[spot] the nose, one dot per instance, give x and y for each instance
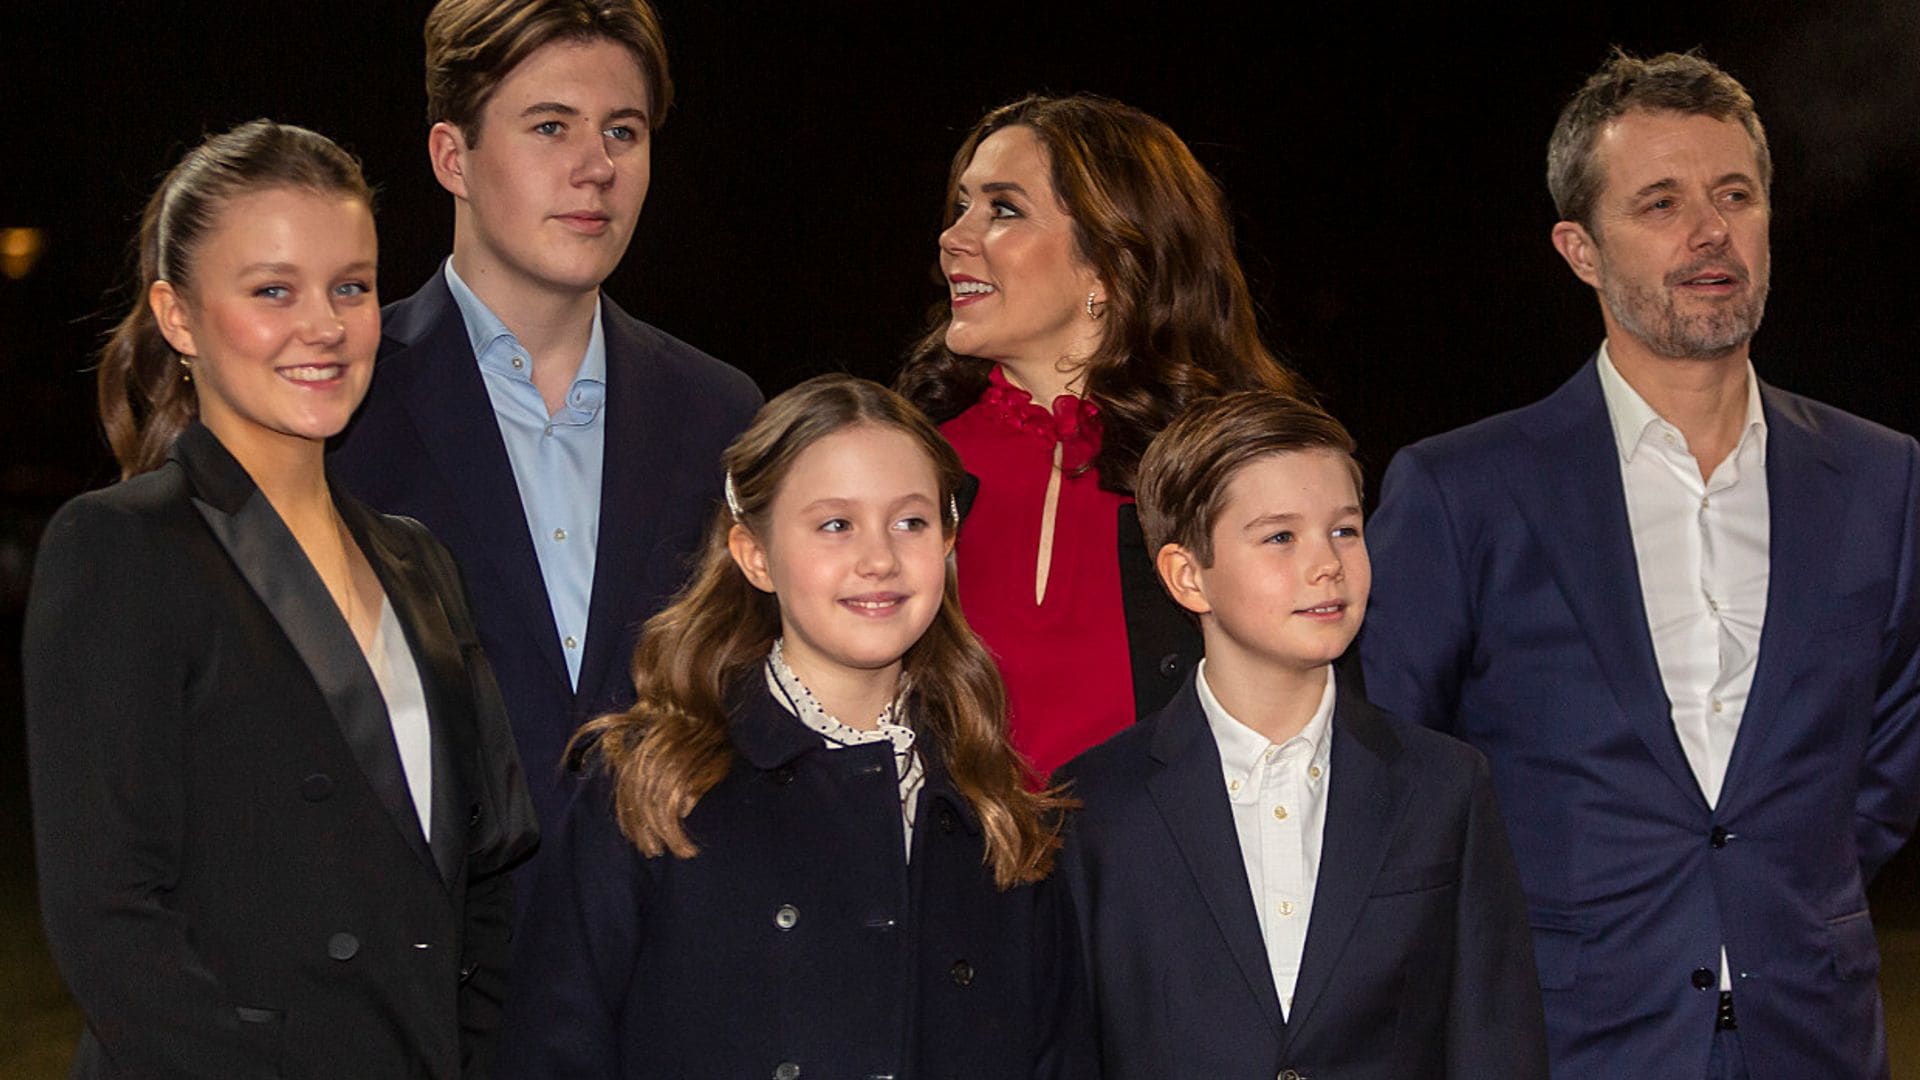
(1326, 564)
(1709, 225)
(963, 236)
(877, 558)
(324, 327)
(596, 164)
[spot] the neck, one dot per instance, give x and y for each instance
(854, 696)
(553, 325)
(1048, 380)
(1705, 398)
(1274, 701)
(290, 471)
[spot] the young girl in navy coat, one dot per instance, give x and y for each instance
(808, 851)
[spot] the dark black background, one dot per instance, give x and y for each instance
(1384, 165)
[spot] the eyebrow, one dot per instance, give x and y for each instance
(836, 501)
(1668, 183)
(561, 108)
(1265, 521)
(289, 268)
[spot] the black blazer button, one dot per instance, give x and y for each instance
(316, 787)
(948, 822)
(786, 1070)
(784, 775)
(343, 946)
(1719, 836)
(473, 815)
(1170, 665)
(1703, 979)
(787, 917)
(962, 973)
(1291, 1074)
(466, 973)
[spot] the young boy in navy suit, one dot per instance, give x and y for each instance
(1272, 877)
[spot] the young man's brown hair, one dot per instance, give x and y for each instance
(1184, 475)
(473, 44)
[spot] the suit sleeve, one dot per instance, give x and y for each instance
(1495, 1025)
(1068, 1048)
(1889, 795)
(507, 833)
(1418, 636)
(108, 673)
(576, 949)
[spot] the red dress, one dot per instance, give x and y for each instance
(1065, 660)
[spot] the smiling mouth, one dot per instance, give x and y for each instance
(313, 373)
(1326, 610)
(874, 605)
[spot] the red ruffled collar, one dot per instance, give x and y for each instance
(1073, 422)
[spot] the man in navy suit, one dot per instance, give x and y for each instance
(1270, 876)
(568, 453)
(1676, 607)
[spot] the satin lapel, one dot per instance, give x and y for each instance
(1364, 799)
(1573, 501)
(1190, 792)
(442, 677)
(453, 416)
(628, 527)
(278, 571)
(1806, 496)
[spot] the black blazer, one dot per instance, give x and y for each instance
(426, 445)
(233, 876)
(1417, 960)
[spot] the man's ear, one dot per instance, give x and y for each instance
(1582, 252)
(447, 153)
(1180, 573)
(170, 311)
(750, 557)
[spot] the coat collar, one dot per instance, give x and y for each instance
(277, 570)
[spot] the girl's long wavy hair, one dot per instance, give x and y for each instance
(144, 397)
(672, 746)
(1179, 323)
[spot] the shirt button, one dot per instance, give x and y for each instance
(1705, 501)
(1313, 771)
(559, 534)
(569, 642)
(549, 429)
(1286, 908)
(1280, 813)
(519, 362)
(787, 917)
(1717, 705)
(1233, 785)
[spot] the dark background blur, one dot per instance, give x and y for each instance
(1384, 165)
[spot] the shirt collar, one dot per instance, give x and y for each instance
(793, 695)
(1634, 421)
(1243, 750)
(493, 344)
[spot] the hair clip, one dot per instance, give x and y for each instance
(733, 501)
(953, 509)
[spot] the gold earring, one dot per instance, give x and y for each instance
(186, 370)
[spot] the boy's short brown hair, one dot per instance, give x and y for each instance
(473, 44)
(1184, 475)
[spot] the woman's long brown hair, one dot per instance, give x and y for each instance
(1179, 323)
(672, 746)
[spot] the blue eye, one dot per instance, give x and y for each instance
(1350, 531)
(835, 525)
(272, 292)
(621, 133)
(1284, 536)
(352, 288)
(549, 127)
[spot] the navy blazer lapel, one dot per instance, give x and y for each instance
(443, 677)
(1191, 793)
(1807, 494)
(628, 526)
(1575, 504)
(445, 396)
(272, 563)
(1364, 800)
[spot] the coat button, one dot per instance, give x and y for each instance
(948, 822)
(473, 815)
(466, 973)
(316, 787)
(786, 917)
(786, 1070)
(783, 775)
(1170, 665)
(962, 973)
(1719, 836)
(343, 946)
(1291, 1074)
(1703, 978)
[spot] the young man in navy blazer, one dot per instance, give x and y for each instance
(1680, 611)
(566, 452)
(1272, 877)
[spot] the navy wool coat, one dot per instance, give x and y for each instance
(797, 943)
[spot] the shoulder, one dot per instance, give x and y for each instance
(125, 516)
(631, 341)
(1446, 768)
(1853, 436)
(1115, 768)
(1489, 446)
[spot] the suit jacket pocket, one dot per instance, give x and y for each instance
(1856, 955)
(1418, 878)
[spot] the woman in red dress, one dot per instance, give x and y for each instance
(1093, 293)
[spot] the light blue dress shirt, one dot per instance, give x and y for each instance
(556, 459)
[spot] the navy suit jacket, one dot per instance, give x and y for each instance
(426, 445)
(1507, 610)
(1417, 960)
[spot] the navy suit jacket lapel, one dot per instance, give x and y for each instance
(1190, 792)
(443, 678)
(1807, 494)
(272, 563)
(1364, 800)
(1574, 503)
(447, 399)
(628, 526)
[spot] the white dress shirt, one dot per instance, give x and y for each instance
(1702, 549)
(1279, 799)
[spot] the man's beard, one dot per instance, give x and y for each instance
(1653, 315)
